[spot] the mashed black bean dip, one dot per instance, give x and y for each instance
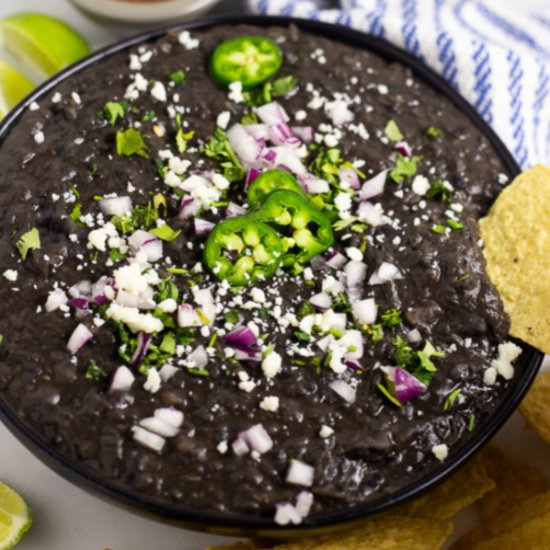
(326, 385)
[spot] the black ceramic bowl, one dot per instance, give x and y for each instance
(242, 524)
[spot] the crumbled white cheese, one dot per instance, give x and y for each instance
(10, 275)
(153, 382)
(223, 119)
(158, 91)
(135, 320)
(420, 185)
(220, 181)
(76, 98)
(168, 306)
(187, 41)
(39, 137)
(326, 431)
(271, 364)
(343, 202)
(490, 376)
(507, 353)
(258, 295)
(98, 237)
(222, 447)
(270, 403)
(34, 106)
(440, 451)
(300, 115)
(57, 97)
(353, 253)
(236, 92)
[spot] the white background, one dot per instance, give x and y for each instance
(66, 517)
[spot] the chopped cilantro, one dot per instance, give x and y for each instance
(307, 309)
(165, 232)
(114, 110)
(471, 422)
(440, 190)
(418, 363)
(269, 90)
(454, 225)
(148, 117)
(160, 205)
(94, 371)
(141, 217)
(177, 77)
(438, 228)
(326, 163)
(182, 138)
(391, 318)
(403, 354)
(130, 142)
(451, 399)
(392, 131)
(76, 214)
(232, 316)
(93, 169)
(433, 131)
(463, 277)
(1, 339)
(212, 340)
(302, 336)
(177, 270)
(185, 336)
(374, 332)
(198, 372)
(28, 241)
(219, 148)
(404, 167)
(340, 303)
(75, 191)
(168, 344)
(249, 118)
(388, 395)
(167, 290)
(116, 255)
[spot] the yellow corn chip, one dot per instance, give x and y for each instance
(516, 233)
(458, 491)
(515, 482)
(535, 408)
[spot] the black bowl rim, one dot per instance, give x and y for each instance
(233, 523)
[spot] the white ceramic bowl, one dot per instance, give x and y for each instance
(144, 13)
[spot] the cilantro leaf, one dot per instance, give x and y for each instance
(219, 148)
(404, 167)
(269, 90)
(440, 189)
(165, 232)
(182, 138)
(388, 395)
(454, 225)
(438, 228)
(391, 318)
(28, 241)
(177, 77)
(168, 344)
(232, 316)
(130, 142)
(451, 399)
(167, 289)
(114, 110)
(94, 371)
(392, 131)
(434, 132)
(1, 339)
(249, 118)
(307, 309)
(76, 214)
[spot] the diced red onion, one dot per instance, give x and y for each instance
(56, 299)
(305, 133)
(116, 206)
(189, 207)
(153, 250)
(321, 301)
(353, 365)
(79, 303)
(336, 260)
(139, 238)
(325, 342)
(143, 342)
(414, 336)
(353, 341)
(304, 501)
(279, 133)
(288, 157)
(251, 175)
(349, 176)
(234, 210)
(365, 310)
(241, 337)
(293, 142)
(100, 300)
(272, 113)
(314, 185)
(355, 273)
(385, 273)
(240, 446)
(149, 244)
(403, 148)
(254, 355)
(102, 287)
(167, 371)
(148, 439)
(203, 227)
(373, 187)
(368, 212)
(257, 438)
(403, 384)
(205, 299)
(187, 316)
(287, 513)
(122, 380)
(344, 390)
(159, 427)
(300, 473)
(258, 131)
(244, 145)
(79, 337)
(269, 155)
(82, 288)
(169, 415)
(198, 357)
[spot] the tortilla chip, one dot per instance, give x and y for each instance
(388, 532)
(519, 515)
(458, 491)
(515, 482)
(535, 408)
(244, 545)
(516, 233)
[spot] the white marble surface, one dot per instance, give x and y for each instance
(68, 518)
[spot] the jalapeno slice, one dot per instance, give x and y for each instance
(243, 251)
(269, 181)
(306, 230)
(250, 60)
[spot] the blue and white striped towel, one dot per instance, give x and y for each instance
(495, 54)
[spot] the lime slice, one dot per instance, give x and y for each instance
(13, 87)
(15, 517)
(42, 44)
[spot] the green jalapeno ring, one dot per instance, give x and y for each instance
(243, 251)
(269, 181)
(250, 60)
(305, 229)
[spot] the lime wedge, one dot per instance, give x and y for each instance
(13, 87)
(15, 517)
(41, 44)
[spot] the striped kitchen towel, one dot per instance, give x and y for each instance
(494, 52)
